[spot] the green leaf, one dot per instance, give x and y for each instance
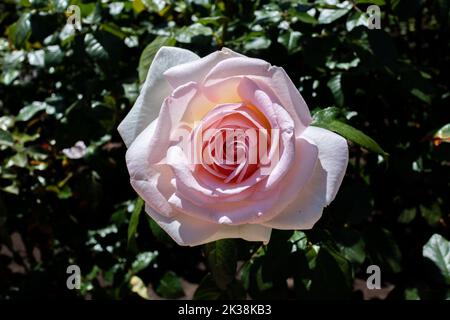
(170, 286)
(221, 256)
(335, 86)
(9, 76)
(149, 53)
(332, 64)
(431, 214)
(332, 276)
(356, 19)
(377, 2)
(412, 294)
(421, 95)
(290, 41)
(134, 220)
(207, 289)
(155, 5)
(257, 43)
(382, 249)
(36, 58)
(330, 15)
(159, 233)
(143, 260)
(326, 119)
(6, 138)
(20, 31)
(94, 48)
(306, 18)
(437, 249)
(27, 112)
(53, 55)
(407, 215)
(216, 21)
(138, 6)
(113, 29)
(350, 244)
(188, 34)
(13, 188)
(20, 160)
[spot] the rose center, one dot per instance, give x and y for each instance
(234, 139)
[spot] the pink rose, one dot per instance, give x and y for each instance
(222, 147)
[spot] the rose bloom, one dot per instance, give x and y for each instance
(282, 178)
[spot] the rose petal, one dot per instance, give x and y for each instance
(186, 230)
(153, 92)
(197, 70)
(333, 155)
(279, 119)
(222, 81)
(236, 213)
(306, 209)
(290, 97)
(194, 188)
(150, 147)
(144, 178)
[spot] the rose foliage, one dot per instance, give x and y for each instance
(65, 193)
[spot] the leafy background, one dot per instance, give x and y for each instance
(65, 196)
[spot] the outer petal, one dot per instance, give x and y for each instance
(144, 177)
(150, 147)
(186, 230)
(153, 92)
(197, 70)
(321, 188)
(306, 209)
(333, 155)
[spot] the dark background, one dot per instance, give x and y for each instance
(59, 87)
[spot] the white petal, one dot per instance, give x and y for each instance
(321, 188)
(333, 154)
(197, 70)
(154, 91)
(306, 209)
(150, 147)
(148, 181)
